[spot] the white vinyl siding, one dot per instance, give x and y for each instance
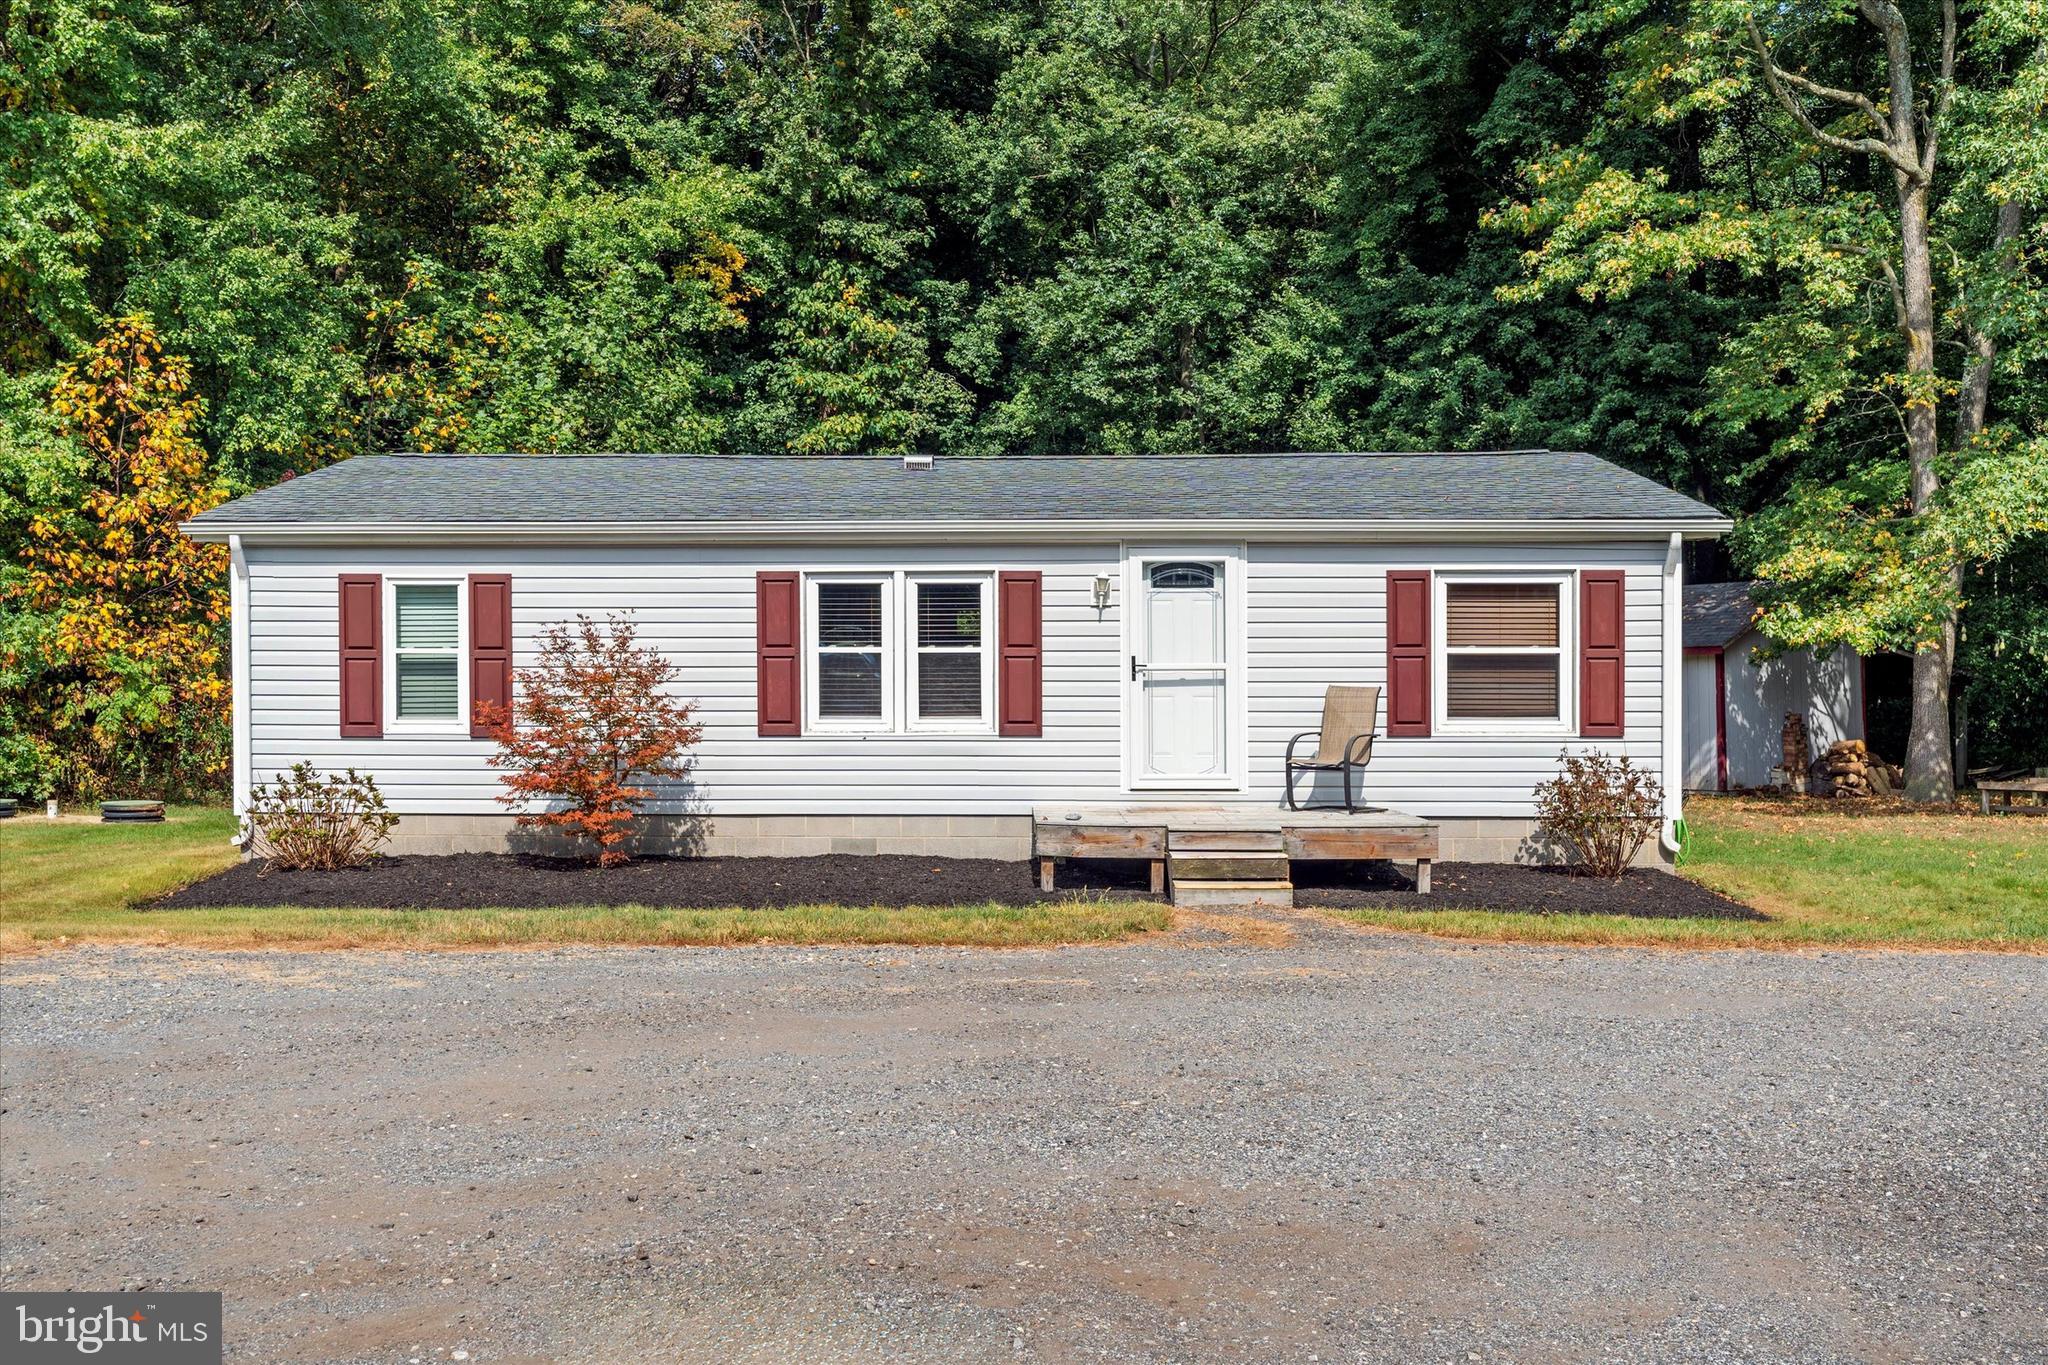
(697, 605)
(1315, 615)
(1318, 615)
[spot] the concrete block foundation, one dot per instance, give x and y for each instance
(1487, 839)
(736, 836)
(1509, 839)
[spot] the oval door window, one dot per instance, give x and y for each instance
(1183, 576)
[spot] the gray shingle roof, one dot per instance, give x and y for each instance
(1716, 614)
(711, 489)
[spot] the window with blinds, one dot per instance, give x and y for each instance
(849, 649)
(899, 652)
(949, 660)
(427, 638)
(1503, 651)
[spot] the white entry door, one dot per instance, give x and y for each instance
(1181, 674)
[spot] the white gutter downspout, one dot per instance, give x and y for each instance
(238, 671)
(1670, 743)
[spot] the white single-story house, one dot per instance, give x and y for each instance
(1735, 704)
(910, 655)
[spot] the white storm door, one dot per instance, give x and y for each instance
(1181, 673)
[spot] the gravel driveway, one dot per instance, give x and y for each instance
(1347, 1146)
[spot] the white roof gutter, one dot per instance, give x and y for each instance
(982, 531)
(1671, 737)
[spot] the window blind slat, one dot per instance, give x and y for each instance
(1492, 686)
(949, 614)
(427, 685)
(850, 614)
(426, 615)
(949, 686)
(850, 685)
(1498, 614)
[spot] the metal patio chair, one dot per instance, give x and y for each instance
(1343, 744)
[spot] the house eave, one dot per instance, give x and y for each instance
(934, 531)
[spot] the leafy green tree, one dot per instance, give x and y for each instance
(121, 652)
(1436, 114)
(1876, 169)
(1134, 225)
(1146, 191)
(839, 106)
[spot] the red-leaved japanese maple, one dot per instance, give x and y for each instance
(594, 717)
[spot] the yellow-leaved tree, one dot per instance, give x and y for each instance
(130, 687)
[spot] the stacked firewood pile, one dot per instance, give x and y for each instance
(1848, 768)
(1793, 745)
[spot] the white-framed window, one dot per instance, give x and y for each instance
(899, 651)
(851, 681)
(1504, 643)
(952, 669)
(426, 634)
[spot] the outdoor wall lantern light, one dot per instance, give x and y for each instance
(1102, 592)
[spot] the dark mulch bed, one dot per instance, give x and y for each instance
(1642, 894)
(469, 881)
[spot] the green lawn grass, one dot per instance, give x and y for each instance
(77, 880)
(56, 869)
(1827, 875)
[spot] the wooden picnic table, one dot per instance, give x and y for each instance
(2012, 789)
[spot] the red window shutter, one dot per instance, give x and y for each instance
(778, 644)
(362, 655)
(1020, 657)
(1602, 618)
(490, 646)
(1408, 616)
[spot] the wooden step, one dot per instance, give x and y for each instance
(1234, 895)
(1225, 841)
(1227, 867)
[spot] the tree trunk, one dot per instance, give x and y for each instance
(1930, 766)
(1973, 404)
(1930, 763)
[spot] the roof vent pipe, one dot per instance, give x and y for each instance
(917, 463)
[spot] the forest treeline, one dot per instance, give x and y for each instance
(977, 228)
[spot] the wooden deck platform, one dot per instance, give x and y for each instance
(1157, 831)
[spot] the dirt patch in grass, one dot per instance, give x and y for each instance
(475, 881)
(1642, 894)
(1206, 927)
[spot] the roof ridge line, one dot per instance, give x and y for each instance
(964, 459)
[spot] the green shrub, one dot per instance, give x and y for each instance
(306, 820)
(1601, 810)
(27, 768)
